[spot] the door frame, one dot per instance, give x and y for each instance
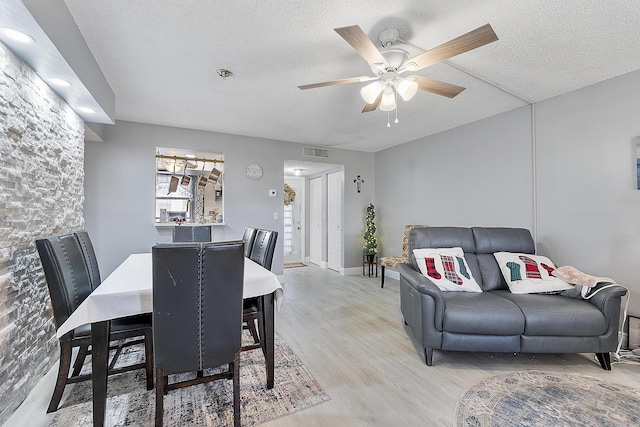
(337, 198)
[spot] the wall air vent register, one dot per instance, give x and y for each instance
(323, 153)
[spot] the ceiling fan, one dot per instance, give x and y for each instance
(389, 64)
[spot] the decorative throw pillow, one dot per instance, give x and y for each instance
(447, 268)
(529, 274)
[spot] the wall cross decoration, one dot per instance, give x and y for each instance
(358, 181)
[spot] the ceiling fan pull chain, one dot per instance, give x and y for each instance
(388, 124)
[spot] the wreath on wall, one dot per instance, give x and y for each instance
(289, 194)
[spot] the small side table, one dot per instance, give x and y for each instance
(369, 264)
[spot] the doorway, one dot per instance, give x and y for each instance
(314, 233)
(293, 238)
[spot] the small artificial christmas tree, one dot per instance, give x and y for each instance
(370, 243)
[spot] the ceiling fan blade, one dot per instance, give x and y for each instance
(372, 107)
(466, 42)
(338, 82)
(439, 88)
(362, 44)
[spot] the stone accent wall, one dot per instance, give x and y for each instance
(41, 194)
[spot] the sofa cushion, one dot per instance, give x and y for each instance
(499, 239)
(445, 237)
(527, 274)
(481, 314)
(494, 239)
(492, 278)
(440, 237)
(447, 268)
(555, 315)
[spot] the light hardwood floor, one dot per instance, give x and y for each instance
(351, 336)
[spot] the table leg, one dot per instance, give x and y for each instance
(99, 367)
(269, 325)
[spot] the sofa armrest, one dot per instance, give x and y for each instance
(421, 283)
(603, 296)
(424, 286)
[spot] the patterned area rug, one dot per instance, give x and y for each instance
(210, 404)
(537, 398)
(294, 265)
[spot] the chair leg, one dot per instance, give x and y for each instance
(160, 387)
(82, 355)
(63, 373)
(236, 390)
(261, 332)
(148, 357)
(251, 324)
(382, 274)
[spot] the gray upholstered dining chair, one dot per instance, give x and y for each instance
(197, 315)
(263, 247)
(248, 237)
(261, 253)
(192, 233)
(69, 283)
(93, 270)
(90, 257)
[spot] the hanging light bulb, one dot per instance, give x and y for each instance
(388, 102)
(370, 92)
(407, 88)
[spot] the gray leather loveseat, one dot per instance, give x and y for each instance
(497, 320)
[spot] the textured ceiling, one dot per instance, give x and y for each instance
(160, 58)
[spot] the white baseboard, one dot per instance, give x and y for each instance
(392, 274)
(323, 264)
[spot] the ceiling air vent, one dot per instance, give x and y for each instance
(316, 152)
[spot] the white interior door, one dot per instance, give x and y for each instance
(293, 241)
(334, 220)
(315, 221)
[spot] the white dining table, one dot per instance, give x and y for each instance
(128, 291)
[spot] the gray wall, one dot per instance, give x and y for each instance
(120, 182)
(588, 204)
(585, 210)
(479, 174)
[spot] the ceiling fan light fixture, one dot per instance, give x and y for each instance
(388, 101)
(370, 92)
(407, 88)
